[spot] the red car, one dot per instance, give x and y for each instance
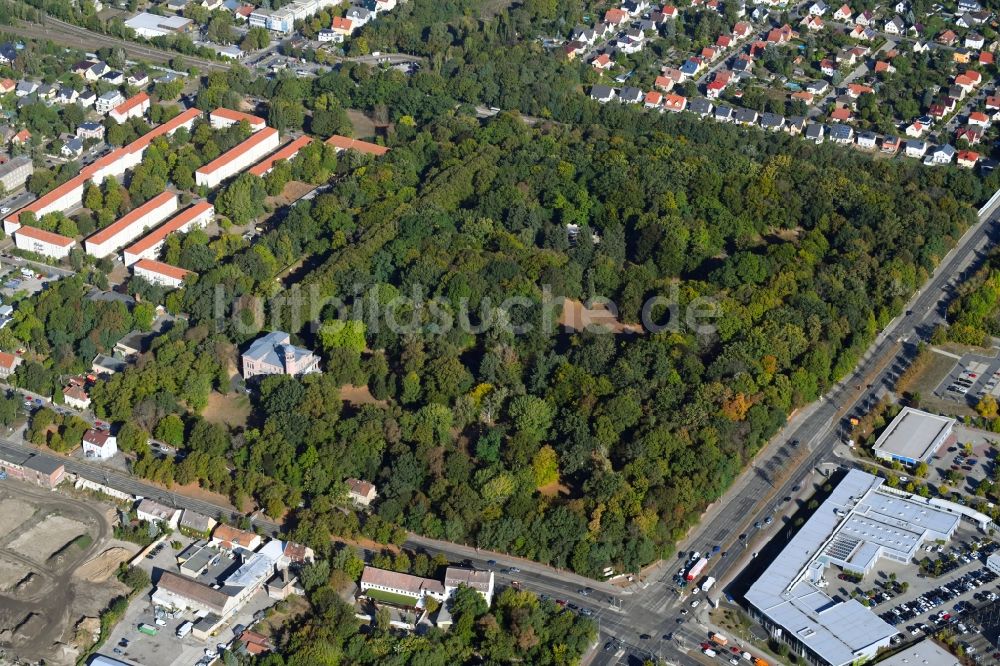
(706, 646)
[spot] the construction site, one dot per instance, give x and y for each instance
(57, 572)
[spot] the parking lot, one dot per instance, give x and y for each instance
(130, 644)
(972, 377)
(951, 598)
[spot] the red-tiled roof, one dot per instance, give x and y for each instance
(341, 23)
(345, 143)
(236, 116)
(130, 218)
(154, 266)
(228, 156)
(7, 360)
(131, 103)
(286, 153)
(169, 227)
(45, 236)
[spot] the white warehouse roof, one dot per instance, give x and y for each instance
(857, 524)
(913, 435)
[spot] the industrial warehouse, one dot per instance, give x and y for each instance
(861, 522)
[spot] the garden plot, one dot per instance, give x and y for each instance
(47, 537)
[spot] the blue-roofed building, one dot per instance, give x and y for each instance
(274, 354)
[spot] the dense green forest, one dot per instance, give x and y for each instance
(974, 316)
(581, 450)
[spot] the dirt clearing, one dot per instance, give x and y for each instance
(47, 537)
(13, 514)
(578, 317)
(232, 409)
(359, 395)
(11, 573)
(104, 565)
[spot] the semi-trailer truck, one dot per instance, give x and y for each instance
(696, 569)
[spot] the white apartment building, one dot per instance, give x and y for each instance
(43, 242)
(132, 225)
(195, 216)
(159, 273)
(238, 159)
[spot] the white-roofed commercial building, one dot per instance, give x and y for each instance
(131, 225)
(913, 436)
(238, 159)
(152, 25)
(923, 653)
(859, 523)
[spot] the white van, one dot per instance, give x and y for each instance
(184, 629)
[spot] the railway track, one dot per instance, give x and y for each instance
(51, 28)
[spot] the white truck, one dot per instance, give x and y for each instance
(184, 629)
(707, 585)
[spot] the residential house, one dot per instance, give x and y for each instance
(154, 512)
(724, 41)
(342, 26)
(842, 115)
(700, 107)
(965, 21)
(985, 58)
(113, 77)
(273, 354)
(803, 96)
(827, 67)
(361, 493)
(843, 14)
(25, 88)
(890, 145)
(841, 133)
(359, 16)
(87, 99)
(967, 159)
(615, 17)
(108, 101)
(653, 100)
(229, 538)
(920, 47)
(8, 363)
(812, 23)
(99, 444)
(818, 8)
(969, 134)
(584, 35)
(781, 35)
(138, 79)
(630, 95)
(866, 140)
(962, 56)
(674, 103)
(602, 93)
(865, 19)
(915, 148)
(795, 125)
(66, 95)
(742, 30)
(8, 53)
(197, 522)
(662, 83)
(947, 37)
(815, 132)
(90, 130)
(72, 148)
(480, 581)
(969, 6)
(943, 154)
(817, 87)
(974, 40)
(745, 116)
(714, 89)
(724, 114)
(7, 86)
(603, 62)
(76, 396)
(979, 118)
(772, 121)
(895, 26)
(884, 67)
